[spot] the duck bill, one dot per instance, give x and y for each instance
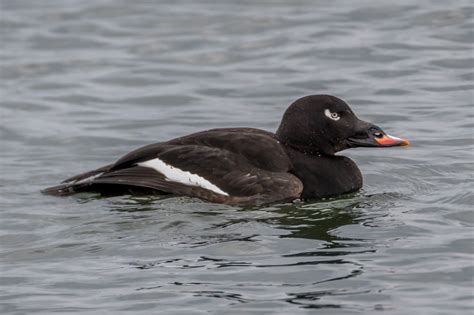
(391, 141)
(372, 136)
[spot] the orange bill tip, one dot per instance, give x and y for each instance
(388, 140)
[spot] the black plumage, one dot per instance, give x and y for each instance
(246, 165)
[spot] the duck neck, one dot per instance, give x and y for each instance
(309, 147)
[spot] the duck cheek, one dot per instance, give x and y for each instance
(339, 144)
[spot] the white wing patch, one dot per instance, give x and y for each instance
(174, 174)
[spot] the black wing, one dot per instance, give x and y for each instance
(241, 182)
(257, 146)
(230, 159)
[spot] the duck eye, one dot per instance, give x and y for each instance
(333, 116)
(378, 134)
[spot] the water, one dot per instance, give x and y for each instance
(84, 82)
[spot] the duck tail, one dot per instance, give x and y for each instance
(75, 184)
(61, 190)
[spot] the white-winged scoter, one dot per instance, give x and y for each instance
(246, 165)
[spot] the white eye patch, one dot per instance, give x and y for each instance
(333, 116)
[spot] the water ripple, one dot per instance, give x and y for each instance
(83, 83)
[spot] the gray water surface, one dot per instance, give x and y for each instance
(84, 82)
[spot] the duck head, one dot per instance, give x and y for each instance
(325, 124)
